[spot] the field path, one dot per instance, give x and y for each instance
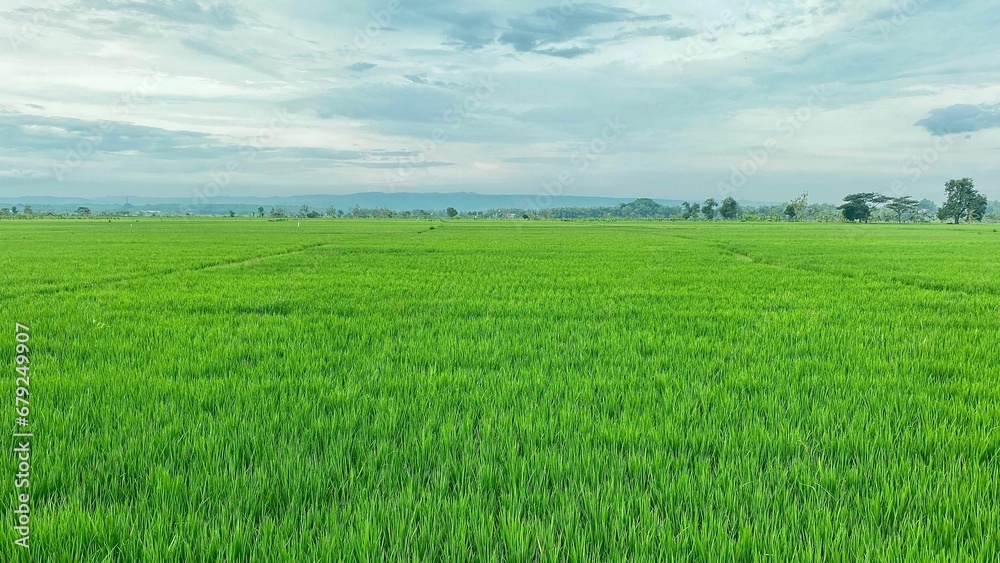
(258, 259)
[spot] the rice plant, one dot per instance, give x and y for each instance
(213, 390)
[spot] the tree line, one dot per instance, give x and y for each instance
(963, 203)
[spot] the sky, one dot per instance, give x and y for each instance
(760, 101)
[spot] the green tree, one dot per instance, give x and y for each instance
(84, 211)
(331, 211)
(643, 208)
(452, 212)
(232, 213)
(901, 206)
(860, 206)
(963, 201)
(708, 208)
(730, 209)
(28, 211)
(260, 210)
(691, 211)
(800, 204)
(790, 212)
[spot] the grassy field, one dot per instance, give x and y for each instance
(240, 390)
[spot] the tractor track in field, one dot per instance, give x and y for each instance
(750, 259)
(83, 286)
(258, 259)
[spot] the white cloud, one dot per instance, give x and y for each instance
(699, 83)
(25, 174)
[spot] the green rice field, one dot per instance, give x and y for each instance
(361, 390)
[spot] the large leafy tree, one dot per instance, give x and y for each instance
(901, 206)
(708, 208)
(790, 212)
(860, 206)
(800, 205)
(729, 209)
(963, 201)
(643, 208)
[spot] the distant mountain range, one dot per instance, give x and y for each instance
(463, 201)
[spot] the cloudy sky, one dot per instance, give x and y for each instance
(676, 100)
